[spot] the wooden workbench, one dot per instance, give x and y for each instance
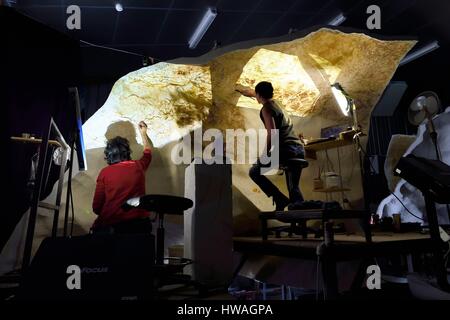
(344, 139)
(301, 217)
(344, 248)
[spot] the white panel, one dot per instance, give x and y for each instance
(208, 224)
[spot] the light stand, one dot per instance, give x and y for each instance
(346, 104)
(433, 133)
(348, 108)
(42, 169)
(426, 106)
(434, 136)
(69, 184)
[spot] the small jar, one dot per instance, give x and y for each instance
(332, 180)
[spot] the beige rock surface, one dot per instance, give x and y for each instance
(176, 98)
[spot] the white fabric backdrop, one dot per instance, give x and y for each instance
(409, 195)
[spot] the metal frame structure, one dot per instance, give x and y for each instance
(42, 167)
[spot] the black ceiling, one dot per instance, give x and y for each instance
(162, 28)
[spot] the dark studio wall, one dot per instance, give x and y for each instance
(37, 66)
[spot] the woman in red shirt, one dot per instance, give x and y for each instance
(121, 180)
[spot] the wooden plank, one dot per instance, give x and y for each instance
(34, 140)
(328, 145)
(331, 190)
(341, 250)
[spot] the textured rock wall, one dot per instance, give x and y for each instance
(176, 98)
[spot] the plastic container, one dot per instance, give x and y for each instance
(332, 180)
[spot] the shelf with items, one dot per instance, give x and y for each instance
(329, 181)
(35, 140)
(345, 139)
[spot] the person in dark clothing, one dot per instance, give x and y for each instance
(121, 180)
(274, 117)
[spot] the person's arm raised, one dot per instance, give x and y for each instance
(145, 139)
(147, 156)
(245, 91)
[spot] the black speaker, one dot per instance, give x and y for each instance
(108, 267)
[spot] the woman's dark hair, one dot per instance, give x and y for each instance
(264, 89)
(117, 150)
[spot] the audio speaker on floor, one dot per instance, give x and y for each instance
(92, 267)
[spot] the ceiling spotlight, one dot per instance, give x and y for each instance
(338, 20)
(119, 7)
(292, 30)
(341, 98)
(430, 47)
(345, 103)
(9, 3)
(207, 19)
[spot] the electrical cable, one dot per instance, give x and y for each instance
(317, 278)
(353, 169)
(73, 213)
(447, 255)
(406, 207)
(113, 49)
(329, 162)
(392, 193)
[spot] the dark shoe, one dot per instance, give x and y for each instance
(298, 205)
(281, 201)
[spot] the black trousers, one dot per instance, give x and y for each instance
(292, 173)
(133, 226)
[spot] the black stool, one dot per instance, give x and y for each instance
(171, 272)
(161, 205)
(286, 168)
(292, 163)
